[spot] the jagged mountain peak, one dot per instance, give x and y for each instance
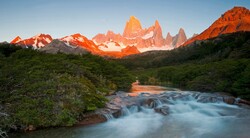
(169, 34)
(133, 26)
(234, 14)
(16, 40)
(180, 38)
(169, 39)
(181, 30)
(157, 24)
(132, 18)
(234, 20)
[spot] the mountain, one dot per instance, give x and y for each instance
(169, 39)
(134, 35)
(129, 50)
(158, 38)
(57, 45)
(37, 41)
(16, 40)
(81, 41)
(76, 44)
(235, 20)
(134, 40)
(180, 38)
(133, 28)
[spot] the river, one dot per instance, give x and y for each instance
(186, 117)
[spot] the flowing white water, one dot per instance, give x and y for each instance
(187, 118)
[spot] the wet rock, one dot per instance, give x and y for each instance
(144, 94)
(229, 100)
(150, 102)
(117, 114)
(92, 118)
(113, 106)
(209, 99)
(164, 110)
(241, 101)
(121, 94)
(147, 103)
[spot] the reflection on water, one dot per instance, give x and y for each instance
(137, 89)
(187, 118)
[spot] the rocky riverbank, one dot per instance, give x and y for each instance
(157, 98)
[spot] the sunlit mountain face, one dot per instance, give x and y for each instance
(136, 39)
(143, 39)
(36, 42)
(234, 20)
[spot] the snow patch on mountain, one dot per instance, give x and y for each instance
(165, 47)
(40, 44)
(149, 35)
(80, 39)
(67, 39)
(47, 40)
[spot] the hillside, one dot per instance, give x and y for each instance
(43, 90)
(227, 46)
(219, 64)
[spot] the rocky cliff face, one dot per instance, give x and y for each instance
(134, 40)
(158, 38)
(81, 41)
(169, 39)
(59, 46)
(143, 39)
(180, 38)
(16, 40)
(234, 20)
(133, 28)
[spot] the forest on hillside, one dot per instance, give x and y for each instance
(219, 64)
(54, 89)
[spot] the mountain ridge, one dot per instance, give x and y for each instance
(136, 39)
(234, 20)
(145, 39)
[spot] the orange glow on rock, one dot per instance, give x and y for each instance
(234, 20)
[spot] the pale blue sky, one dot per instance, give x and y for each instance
(59, 18)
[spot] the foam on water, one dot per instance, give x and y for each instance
(187, 118)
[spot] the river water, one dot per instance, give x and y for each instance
(187, 118)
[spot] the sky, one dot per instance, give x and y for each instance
(59, 18)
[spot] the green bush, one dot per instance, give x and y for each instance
(45, 90)
(225, 76)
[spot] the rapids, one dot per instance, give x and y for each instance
(173, 114)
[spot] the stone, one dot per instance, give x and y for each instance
(229, 100)
(92, 118)
(164, 110)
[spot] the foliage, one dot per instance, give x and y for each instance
(225, 76)
(45, 90)
(218, 64)
(227, 46)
